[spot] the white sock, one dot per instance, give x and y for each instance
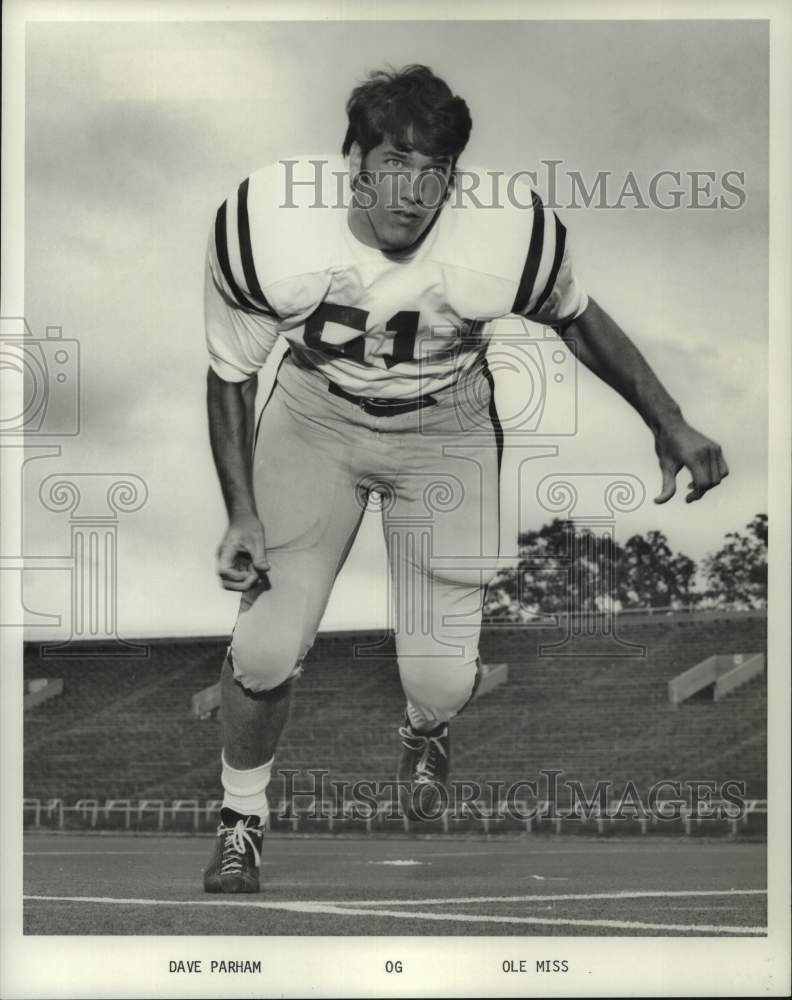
(246, 791)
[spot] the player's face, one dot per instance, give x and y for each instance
(398, 194)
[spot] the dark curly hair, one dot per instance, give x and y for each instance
(412, 107)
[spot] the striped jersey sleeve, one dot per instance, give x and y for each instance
(548, 291)
(241, 325)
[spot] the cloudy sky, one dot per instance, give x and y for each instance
(135, 133)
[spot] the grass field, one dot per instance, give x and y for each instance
(522, 885)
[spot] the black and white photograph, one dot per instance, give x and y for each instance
(395, 528)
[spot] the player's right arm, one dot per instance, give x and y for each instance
(242, 554)
(241, 329)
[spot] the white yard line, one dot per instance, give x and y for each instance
(556, 897)
(93, 854)
(373, 908)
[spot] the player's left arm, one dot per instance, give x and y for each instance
(606, 350)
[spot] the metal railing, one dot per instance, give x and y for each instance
(640, 616)
(196, 816)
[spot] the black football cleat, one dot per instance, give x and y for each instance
(423, 772)
(237, 855)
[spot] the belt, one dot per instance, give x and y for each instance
(382, 407)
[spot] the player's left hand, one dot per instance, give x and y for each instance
(680, 446)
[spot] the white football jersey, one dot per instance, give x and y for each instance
(283, 261)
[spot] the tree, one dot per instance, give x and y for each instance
(651, 576)
(736, 575)
(561, 569)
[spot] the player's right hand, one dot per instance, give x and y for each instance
(242, 554)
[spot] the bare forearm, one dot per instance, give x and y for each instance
(231, 412)
(602, 346)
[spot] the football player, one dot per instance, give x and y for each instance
(387, 304)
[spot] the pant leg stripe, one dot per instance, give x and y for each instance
(497, 428)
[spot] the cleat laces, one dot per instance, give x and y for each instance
(429, 747)
(237, 839)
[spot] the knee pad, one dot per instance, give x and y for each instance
(438, 687)
(261, 666)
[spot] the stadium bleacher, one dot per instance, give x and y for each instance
(124, 730)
